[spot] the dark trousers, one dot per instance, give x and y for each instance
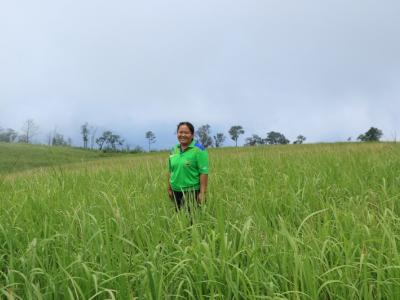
(186, 198)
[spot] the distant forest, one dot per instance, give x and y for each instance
(108, 141)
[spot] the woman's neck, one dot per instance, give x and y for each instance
(185, 146)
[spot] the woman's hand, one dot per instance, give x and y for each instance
(201, 197)
(170, 193)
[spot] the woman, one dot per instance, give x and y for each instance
(188, 168)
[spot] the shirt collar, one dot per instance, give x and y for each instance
(191, 145)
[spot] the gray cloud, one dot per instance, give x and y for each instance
(328, 70)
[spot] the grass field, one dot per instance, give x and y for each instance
(21, 157)
(281, 222)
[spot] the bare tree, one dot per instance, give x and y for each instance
(92, 136)
(394, 136)
(49, 138)
(29, 130)
(150, 136)
(85, 134)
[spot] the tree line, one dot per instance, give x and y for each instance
(110, 141)
(272, 137)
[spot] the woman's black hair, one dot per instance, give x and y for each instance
(188, 124)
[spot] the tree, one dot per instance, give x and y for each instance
(274, 138)
(235, 132)
(203, 134)
(109, 140)
(58, 140)
(219, 139)
(101, 140)
(92, 136)
(113, 141)
(49, 138)
(136, 149)
(9, 135)
(29, 130)
(372, 135)
(85, 134)
(300, 139)
(254, 140)
(150, 136)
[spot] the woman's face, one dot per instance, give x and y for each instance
(184, 135)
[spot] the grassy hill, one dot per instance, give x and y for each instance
(280, 222)
(20, 157)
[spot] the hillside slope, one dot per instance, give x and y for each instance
(20, 157)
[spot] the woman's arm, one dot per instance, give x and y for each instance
(203, 187)
(169, 189)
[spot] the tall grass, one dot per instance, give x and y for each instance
(285, 222)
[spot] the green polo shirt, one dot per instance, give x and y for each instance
(185, 167)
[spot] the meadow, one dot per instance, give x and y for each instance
(21, 157)
(280, 222)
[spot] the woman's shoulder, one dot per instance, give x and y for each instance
(174, 149)
(199, 146)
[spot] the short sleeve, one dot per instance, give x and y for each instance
(171, 152)
(203, 162)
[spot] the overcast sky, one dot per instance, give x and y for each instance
(326, 69)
